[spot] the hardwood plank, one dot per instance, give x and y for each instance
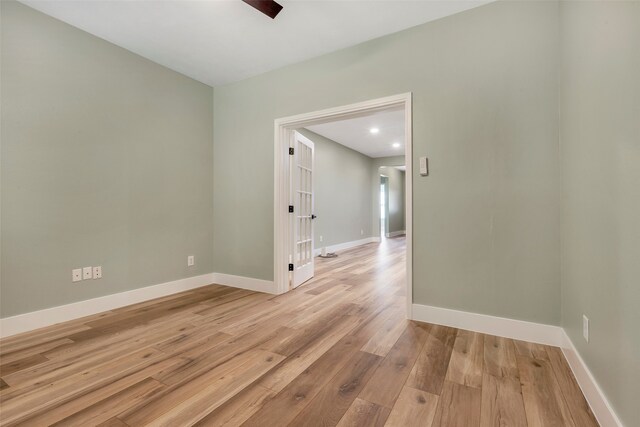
(218, 391)
(321, 286)
(500, 357)
(458, 406)
(387, 381)
(532, 350)
(467, 359)
(288, 403)
(239, 408)
(578, 406)
(192, 338)
(43, 337)
(543, 400)
(163, 403)
(335, 398)
(387, 336)
(41, 348)
(413, 408)
(320, 327)
(3, 385)
(211, 313)
(428, 373)
(321, 307)
(113, 422)
(205, 358)
(108, 408)
(502, 403)
(86, 356)
(93, 341)
(18, 404)
(219, 320)
(20, 364)
(127, 320)
(364, 414)
(300, 360)
(69, 407)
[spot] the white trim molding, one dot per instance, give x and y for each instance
(63, 313)
(396, 233)
(347, 245)
(500, 326)
(241, 282)
(283, 128)
(50, 316)
(532, 332)
(596, 399)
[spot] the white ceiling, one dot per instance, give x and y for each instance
(221, 41)
(356, 133)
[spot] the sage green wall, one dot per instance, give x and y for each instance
(600, 151)
(486, 220)
(107, 160)
(396, 198)
(342, 196)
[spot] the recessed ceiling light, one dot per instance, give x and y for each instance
(396, 145)
(374, 130)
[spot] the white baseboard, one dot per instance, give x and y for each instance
(347, 245)
(500, 326)
(597, 400)
(249, 283)
(50, 316)
(532, 332)
(396, 233)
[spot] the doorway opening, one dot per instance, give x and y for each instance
(295, 220)
(392, 201)
(384, 205)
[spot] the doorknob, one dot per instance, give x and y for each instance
(313, 216)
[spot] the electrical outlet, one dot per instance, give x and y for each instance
(87, 273)
(191, 260)
(585, 328)
(321, 239)
(76, 275)
(97, 272)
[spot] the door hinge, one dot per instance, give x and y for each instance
(290, 208)
(291, 151)
(290, 267)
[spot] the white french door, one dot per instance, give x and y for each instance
(302, 216)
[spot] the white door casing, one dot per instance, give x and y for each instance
(302, 215)
(283, 136)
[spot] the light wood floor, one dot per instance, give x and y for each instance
(336, 351)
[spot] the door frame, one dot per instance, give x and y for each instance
(386, 206)
(283, 131)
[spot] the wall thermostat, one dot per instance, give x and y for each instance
(424, 166)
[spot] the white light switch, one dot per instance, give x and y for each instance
(424, 166)
(76, 275)
(191, 260)
(585, 328)
(87, 273)
(97, 272)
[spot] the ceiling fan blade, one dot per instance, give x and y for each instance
(268, 7)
